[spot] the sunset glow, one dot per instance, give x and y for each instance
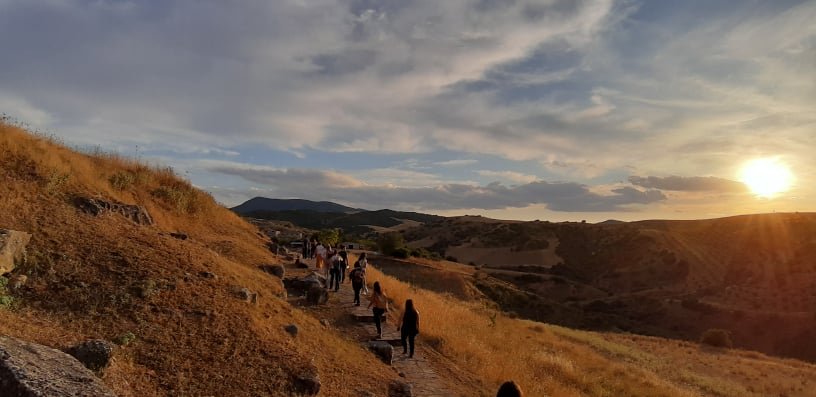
(766, 177)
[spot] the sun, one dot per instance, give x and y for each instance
(766, 177)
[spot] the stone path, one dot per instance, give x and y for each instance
(417, 371)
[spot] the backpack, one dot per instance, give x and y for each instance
(337, 265)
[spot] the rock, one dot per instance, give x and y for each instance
(97, 207)
(94, 354)
(308, 385)
(180, 236)
(399, 388)
(208, 275)
(318, 278)
(300, 264)
(292, 329)
(247, 295)
(325, 322)
(12, 249)
(31, 370)
(317, 295)
(275, 270)
(383, 350)
(365, 393)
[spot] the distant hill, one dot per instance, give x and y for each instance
(273, 205)
(355, 223)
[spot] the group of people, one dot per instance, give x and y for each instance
(334, 263)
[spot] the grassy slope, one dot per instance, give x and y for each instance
(557, 361)
(100, 277)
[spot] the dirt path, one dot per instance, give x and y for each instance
(421, 371)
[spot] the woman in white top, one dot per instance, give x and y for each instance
(363, 263)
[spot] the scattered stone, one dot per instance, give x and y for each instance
(275, 270)
(383, 350)
(308, 385)
(97, 207)
(402, 374)
(12, 249)
(179, 235)
(400, 389)
(317, 295)
(300, 264)
(365, 393)
(208, 275)
(247, 295)
(292, 329)
(94, 354)
(31, 370)
(325, 322)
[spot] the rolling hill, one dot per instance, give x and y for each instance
(747, 274)
(351, 223)
(263, 204)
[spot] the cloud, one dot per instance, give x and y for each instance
(456, 162)
(689, 184)
(330, 185)
(513, 176)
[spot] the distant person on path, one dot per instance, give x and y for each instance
(320, 255)
(408, 327)
(344, 255)
(313, 249)
(379, 303)
(510, 389)
(357, 280)
(305, 248)
(363, 264)
(336, 262)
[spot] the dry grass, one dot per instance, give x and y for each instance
(101, 277)
(556, 361)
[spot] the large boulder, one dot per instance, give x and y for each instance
(400, 389)
(383, 350)
(12, 249)
(317, 295)
(97, 207)
(276, 270)
(307, 384)
(94, 354)
(31, 370)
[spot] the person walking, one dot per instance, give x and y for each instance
(344, 255)
(356, 277)
(378, 302)
(363, 264)
(408, 326)
(320, 255)
(509, 389)
(336, 262)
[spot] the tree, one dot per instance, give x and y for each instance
(389, 243)
(329, 236)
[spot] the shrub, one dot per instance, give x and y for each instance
(6, 301)
(389, 243)
(124, 339)
(401, 253)
(122, 180)
(181, 197)
(716, 337)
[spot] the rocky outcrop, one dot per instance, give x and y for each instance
(31, 370)
(400, 389)
(301, 286)
(383, 350)
(12, 249)
(94, 354)
(276, 270)
(246, 294)
(307, 385)
(317, 295)
(98, 207)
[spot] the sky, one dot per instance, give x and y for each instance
(514, 109)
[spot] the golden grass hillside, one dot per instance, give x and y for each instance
(107, 277)
(556, 361)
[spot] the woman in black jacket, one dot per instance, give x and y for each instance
(409, 327)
